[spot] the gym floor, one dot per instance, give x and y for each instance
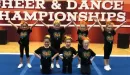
(9, 55)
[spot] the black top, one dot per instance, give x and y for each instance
(85, 56)
(46, 53)
(80, 34)
(67, 52)
(56, 35)
(24, 35)
(108, 37)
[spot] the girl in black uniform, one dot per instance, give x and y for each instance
(87, 55)
(56, 33)
(69, 53)
(46, 54)
(24, 31)
(108, 33)
(82, 31)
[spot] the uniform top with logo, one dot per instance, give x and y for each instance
(56, 35)
(46, 53)
(109, 37)
(85, 56)
(80, 34)
(24, 35)
(67, 52)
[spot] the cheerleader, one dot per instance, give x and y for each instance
(56, 33)
(86, 55)
(82, 31)
(68, 54)
(24, 31)
(46, 54)
(108, 33)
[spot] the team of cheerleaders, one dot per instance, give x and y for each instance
(51, 48)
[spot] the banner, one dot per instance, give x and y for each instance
(107, 5)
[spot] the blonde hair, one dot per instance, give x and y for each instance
(47, 36)
(56, 22)
(109, 23)
(83, 22)
(23, 22)
(68, 38)
(85, 38)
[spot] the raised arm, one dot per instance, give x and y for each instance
(75, 25)
(91, 26)
(33, 24)
(12, 24)
(67, 24)
(100, 24)
(45, 24)
(120, 26)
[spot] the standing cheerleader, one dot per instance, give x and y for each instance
(87, 55)
(82, 31)
(56, 34)
(24, 31)
(46, 54)
(108, 33)
(68, 54)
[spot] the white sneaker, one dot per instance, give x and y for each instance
(29, 65)
(52, 65)
(20, 65)
(79, 66)
(107, 68)
(40, 66)
(57, 66)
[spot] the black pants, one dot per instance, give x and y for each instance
(80, 46)
(85, 69)
(57, 47)
(107, 50)
(67, 66)
(46, 66)
(22, 46)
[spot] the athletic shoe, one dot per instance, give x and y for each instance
(40, 66)
(20, 65)
(29, 65)
(107, 68)
(79, 66)
(52, 65)
(57, 66)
